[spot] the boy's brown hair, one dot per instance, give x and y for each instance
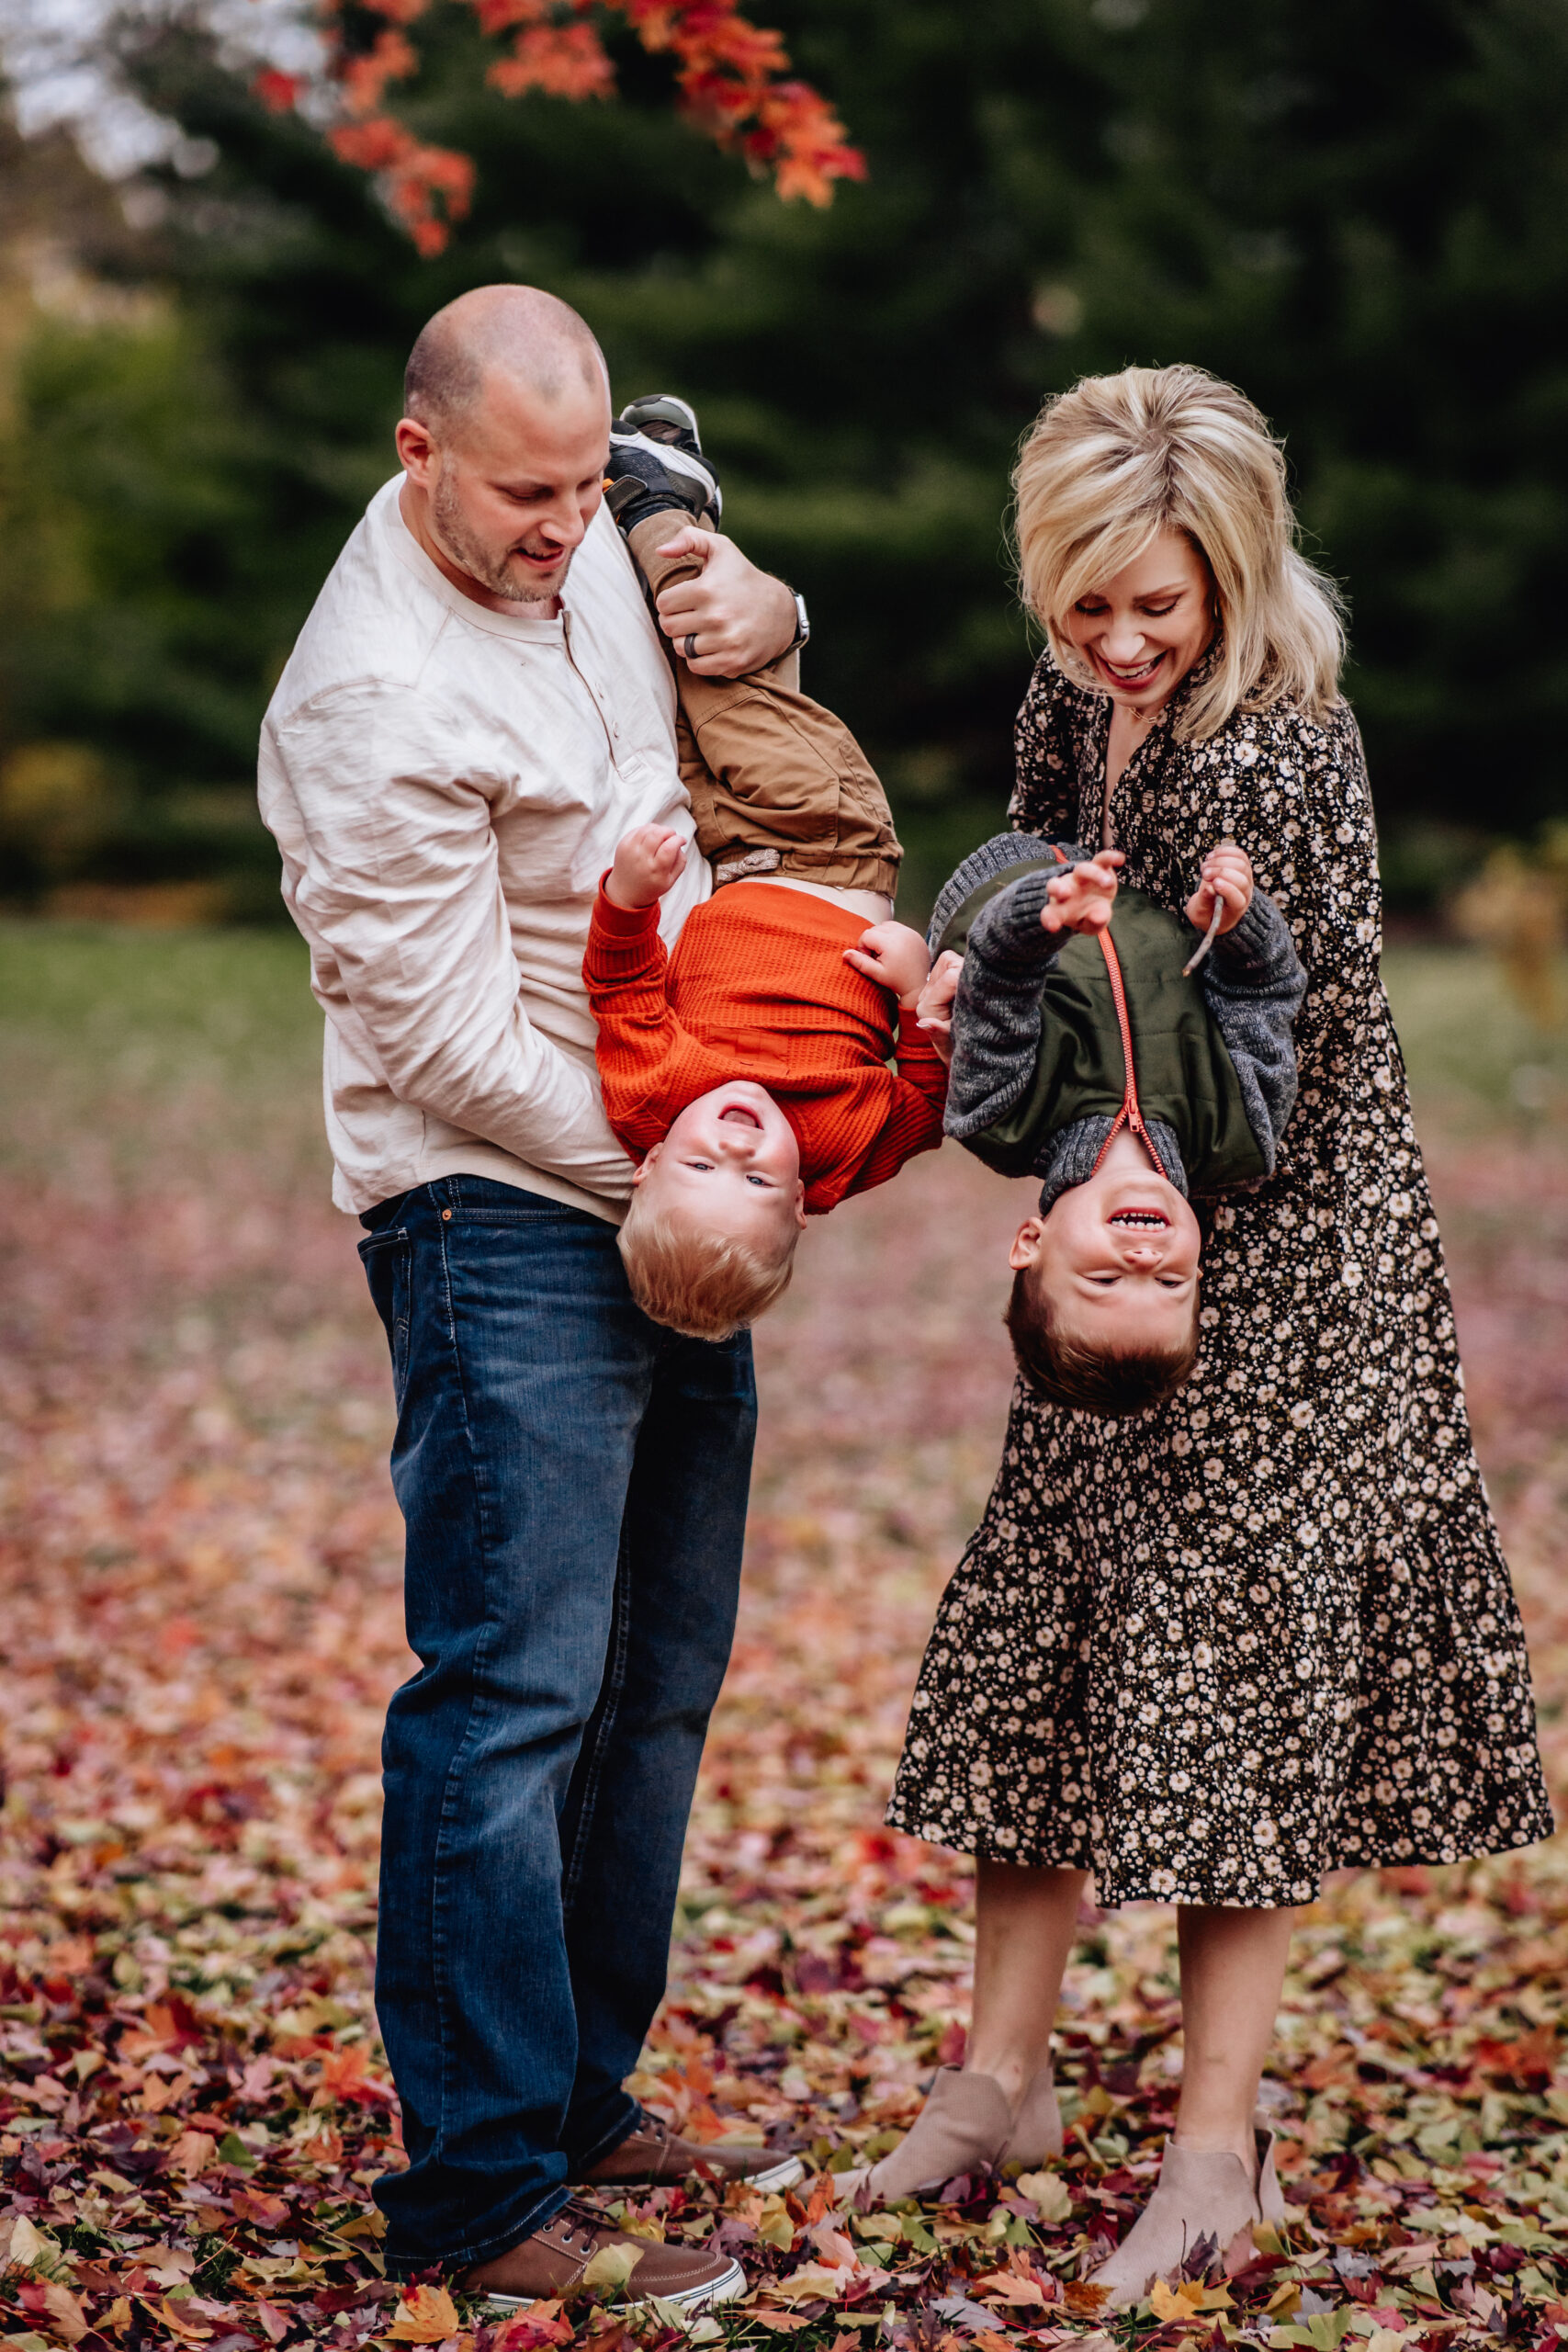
(705, 1285)
(1091, 1380)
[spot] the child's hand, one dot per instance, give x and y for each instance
(1228, 876)
(649, 860)
(1081, 899)
(934, 1006)
(894, 956)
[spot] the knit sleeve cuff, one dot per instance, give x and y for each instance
(1257, 947)
(1009, 932)
(622, 922)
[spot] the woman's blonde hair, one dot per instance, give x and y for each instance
(1118, 458)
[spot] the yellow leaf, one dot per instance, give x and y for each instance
(1049, 2191)
(173, 2317)
(1168, 2302)
(612, 2267)
(192, 2153)
(813, 2279)
(1007, 2286)
(775, 2228)
(117, 2319)
(427, 2316)
(69, 2319)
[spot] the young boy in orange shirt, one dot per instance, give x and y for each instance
(747, 1072)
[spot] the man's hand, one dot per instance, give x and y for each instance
(1227, 876)
(934, 1006)
(894, 956)
(1082, 899)
(646, 863)
(741, 618)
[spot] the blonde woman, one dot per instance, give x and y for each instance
(1264, 1629)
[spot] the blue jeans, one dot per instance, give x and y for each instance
(573, 1483)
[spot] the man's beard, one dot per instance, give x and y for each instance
(477, 559)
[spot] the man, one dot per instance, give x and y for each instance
(476, 709)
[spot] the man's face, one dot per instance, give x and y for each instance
(509, 496)
(731, 1160)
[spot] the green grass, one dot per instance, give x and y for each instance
(124, 1052)
(119, 1047)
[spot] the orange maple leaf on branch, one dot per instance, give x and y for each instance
(732, 76)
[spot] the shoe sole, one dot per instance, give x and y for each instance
(676, 461)
(783, 2175)
(727, 2288)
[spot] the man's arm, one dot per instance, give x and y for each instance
(400, 880)
(1253, 983)
(741, 618)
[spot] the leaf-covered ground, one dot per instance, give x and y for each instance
(201, 1624)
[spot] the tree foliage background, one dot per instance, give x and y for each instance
(1359, 216)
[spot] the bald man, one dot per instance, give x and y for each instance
(477, 710)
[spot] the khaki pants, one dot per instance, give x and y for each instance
(777, 784)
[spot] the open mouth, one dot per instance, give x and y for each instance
(1137, 677)
(1139, 1220)
(739, 1111)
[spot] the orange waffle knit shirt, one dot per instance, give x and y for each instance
(758, 987)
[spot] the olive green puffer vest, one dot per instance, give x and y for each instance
(1184, 1072)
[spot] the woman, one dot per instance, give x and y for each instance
(1263, 1629)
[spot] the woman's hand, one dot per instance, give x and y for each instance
(1081, 899)
(646, 862)
(934, 1006)
(740, 618)
(1227, 878)
(894, 956)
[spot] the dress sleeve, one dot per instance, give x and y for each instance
(1046, 791)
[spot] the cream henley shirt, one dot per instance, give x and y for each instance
(446, 784)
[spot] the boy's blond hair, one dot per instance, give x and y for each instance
(706, 1285)
(1118, 458)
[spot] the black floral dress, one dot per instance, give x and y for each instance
(1264, 1630)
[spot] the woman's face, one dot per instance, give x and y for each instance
(1142, 630)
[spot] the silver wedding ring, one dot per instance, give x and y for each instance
(691, 648)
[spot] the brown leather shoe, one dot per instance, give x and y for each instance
(653, 2154)
(552, 2260)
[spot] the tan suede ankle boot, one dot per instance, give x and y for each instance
(1037, 2133)
(964, 2126)
(1198, 2195)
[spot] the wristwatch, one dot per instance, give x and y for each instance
(802, 624)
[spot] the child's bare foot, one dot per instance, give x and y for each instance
(1081, 899)
(1227, 876)
(646, 863)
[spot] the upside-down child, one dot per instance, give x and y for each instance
(1087, 1051)
(748, 1071)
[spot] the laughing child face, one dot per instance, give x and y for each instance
(1113, 1269)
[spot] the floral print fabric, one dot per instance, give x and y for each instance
(1265, 1630)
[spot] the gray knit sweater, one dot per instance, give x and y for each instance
(1252, 982)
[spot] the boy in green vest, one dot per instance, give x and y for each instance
(1087, 1050)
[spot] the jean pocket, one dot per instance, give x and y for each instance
(389, 1265)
